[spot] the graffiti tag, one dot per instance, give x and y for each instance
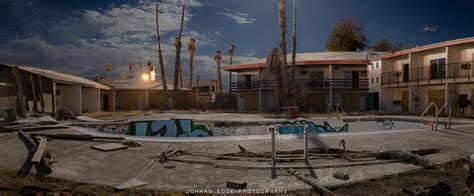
(168, 128)
(312, 127)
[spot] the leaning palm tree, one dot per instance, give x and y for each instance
(162, 64)
(218, 58)
(177, 62)
(191, 49)
(283, 62)
(108, 68)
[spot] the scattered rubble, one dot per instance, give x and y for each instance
(110, 147)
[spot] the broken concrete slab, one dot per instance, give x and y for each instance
(109, 147)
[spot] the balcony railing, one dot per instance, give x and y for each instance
(314, 84)
(453, 72)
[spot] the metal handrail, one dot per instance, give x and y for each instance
(329, 107)
(450, 112)
(436, 114)
(339, 106)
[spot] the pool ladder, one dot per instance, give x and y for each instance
(330, 109)
(434, 125)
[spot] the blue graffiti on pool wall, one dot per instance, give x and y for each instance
(169, 128)
(312, 127)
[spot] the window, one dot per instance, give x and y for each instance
(377, 80)
(303, 73)
(372, 66)
(372, 80)
(377, 65)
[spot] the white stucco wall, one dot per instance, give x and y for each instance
(90, 99)
(70, 96)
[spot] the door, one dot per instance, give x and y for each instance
(436, 96)
(376, 101)
(316, 78)
(405, 101)
(405, 72)
(105, 102)
(355, 79)
(248, 81)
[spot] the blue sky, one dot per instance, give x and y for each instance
(80, 37)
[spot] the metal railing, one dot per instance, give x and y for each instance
(448, 126)
(460, 71)
(436, 116)
(311, 84)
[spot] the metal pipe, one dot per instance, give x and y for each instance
(306, 142)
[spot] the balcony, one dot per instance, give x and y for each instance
(324, 84)
(453, 72)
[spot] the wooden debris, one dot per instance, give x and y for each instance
(407, 157)
(132, 143)
(264, 167)
(109, 147)
(236, 184)
(341, 175)
(76, 137)
(42, 168)
(320, 189)
(39, 150)
(136, 181)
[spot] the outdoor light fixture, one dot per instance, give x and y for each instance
(145, 77)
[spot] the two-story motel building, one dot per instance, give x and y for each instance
(322, 79)
(439, 73)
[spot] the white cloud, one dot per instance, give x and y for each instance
(239, 18)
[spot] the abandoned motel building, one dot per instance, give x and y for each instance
(403, 81)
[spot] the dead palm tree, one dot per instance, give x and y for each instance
(283, 62)
(162, 64)
(177, 61)
(294, 87)
(218, 58)
(191, 49)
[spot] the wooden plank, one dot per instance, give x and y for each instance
(19, 92)
(39, 150)
(322, 190)
(35, 103)
(109, 147)
(75, 137)
(41, 94)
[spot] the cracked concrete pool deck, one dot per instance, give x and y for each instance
(76, 161)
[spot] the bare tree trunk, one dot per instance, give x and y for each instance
(180, 76)
(294, 88)
(162, 64)
(231, 55)
(177, 62)
(273, 63)
(191, 49)
(283, 62)
(218, 58)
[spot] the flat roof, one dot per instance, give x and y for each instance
(60, 77)
(313, 58)
(137, 83)
(429, 47)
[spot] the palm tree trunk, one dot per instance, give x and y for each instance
(231, 55)
(218, 58)
(162, 64)
(177, 62)
(283, 62)
(191, 49)
(294, 88)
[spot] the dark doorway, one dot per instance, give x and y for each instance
(405, 72)
(355, 79)
(376, 101)
(248, 81)
(105, 102)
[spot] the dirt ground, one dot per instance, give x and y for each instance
(453, 173)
